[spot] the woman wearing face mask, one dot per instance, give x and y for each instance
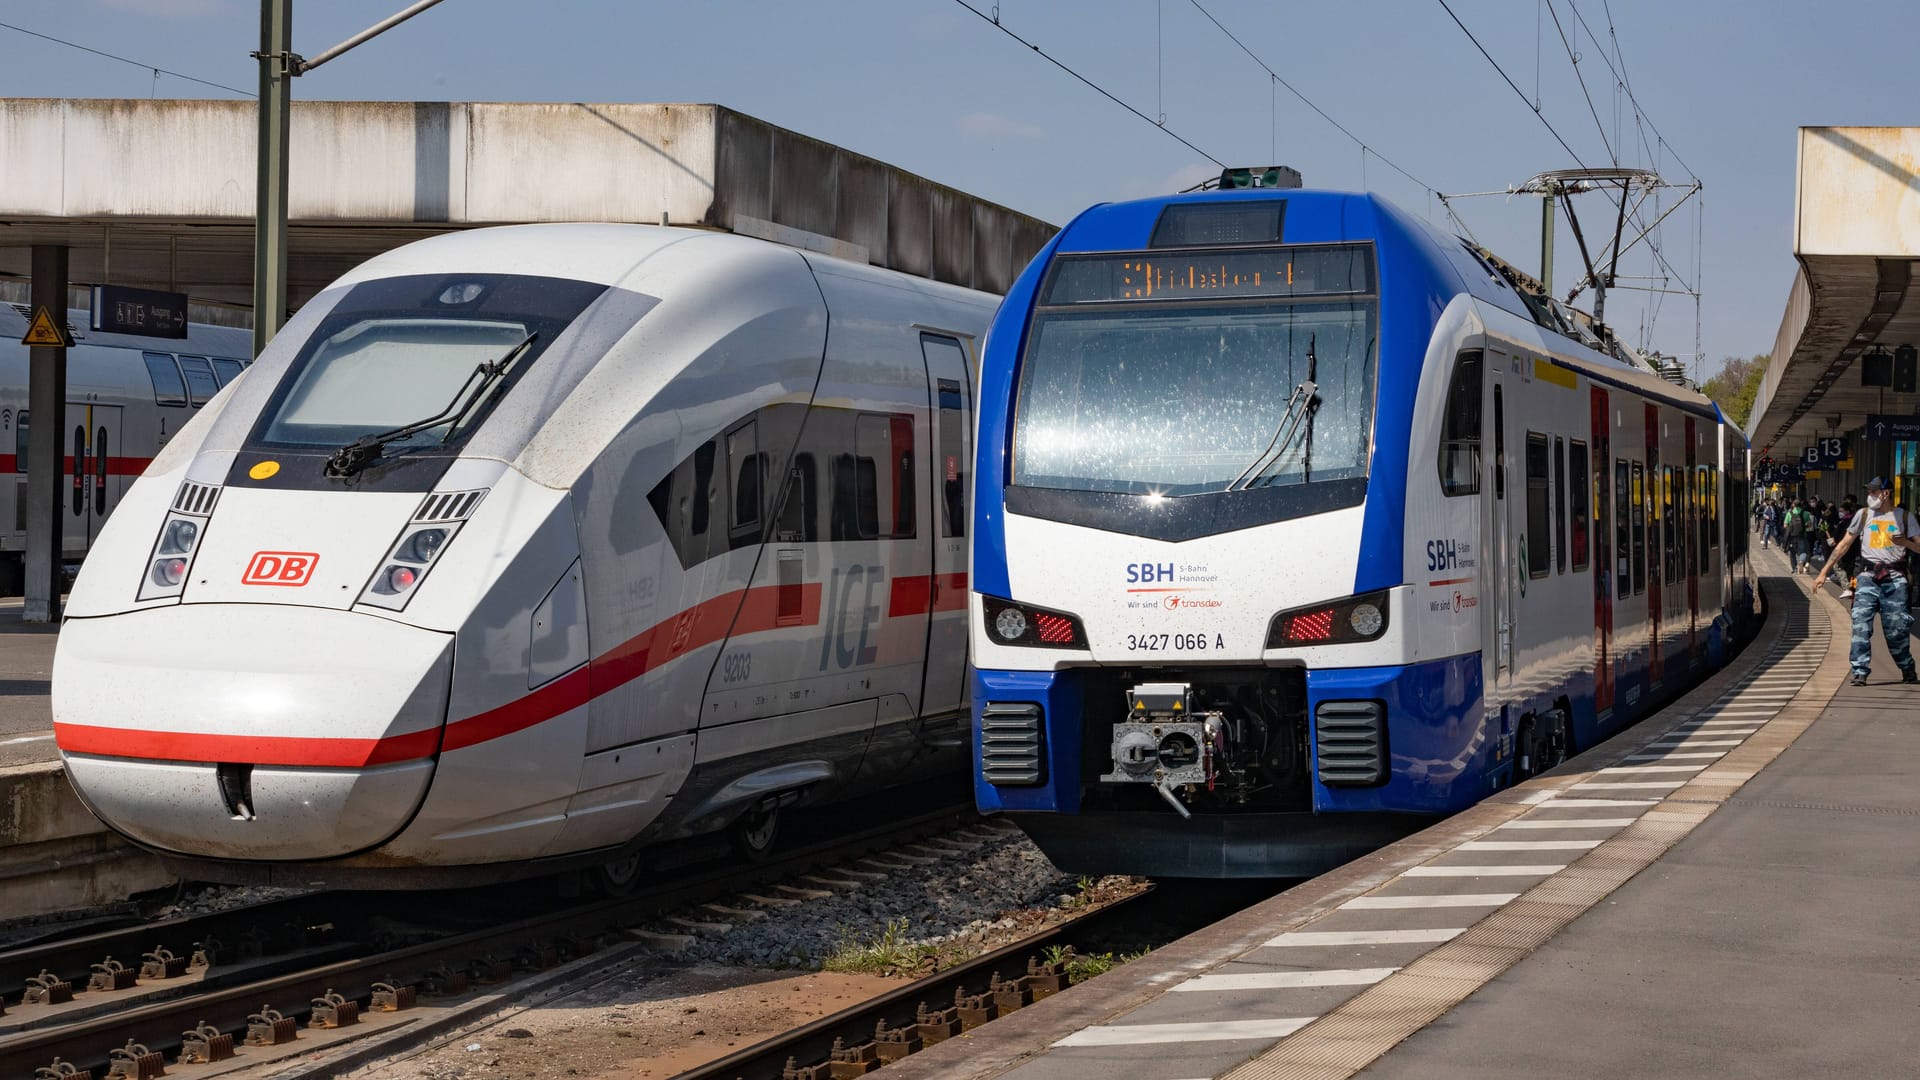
(1885, 533)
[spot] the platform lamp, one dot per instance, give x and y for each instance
(1906, 369)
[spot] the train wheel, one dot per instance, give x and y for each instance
(754, 835)
(1543, 743)
(619, 877)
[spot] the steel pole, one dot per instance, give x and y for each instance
(46, 457)
(277, 66)
(1546, 243)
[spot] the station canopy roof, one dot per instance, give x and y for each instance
(160, 194)
(1856, 234)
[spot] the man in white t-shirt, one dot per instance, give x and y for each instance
(1885, 534)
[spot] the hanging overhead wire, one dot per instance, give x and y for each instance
(1522, 94)
(1574, 59)
(1275, 76)
(1094, 86)
(1620, 73)
(157, 71)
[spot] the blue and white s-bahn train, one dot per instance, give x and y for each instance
(521, 548)
(1298, 522)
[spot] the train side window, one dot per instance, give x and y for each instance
(1622, 530)
(856, 507)
(100, 471)
(227, 370)
(20, 444)
(168, 387)
(1499, 445)
(703, 490)
(744, 469)
(79, 469)
(201, 385)
(1712, 490)
(1539, 539)
(1670, 517)
(1559, 505)
(1580, 496)
(796, 521)
(1642, 498)
(1460, 427)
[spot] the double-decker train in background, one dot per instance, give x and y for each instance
(1299, 522)
(519, 548)
(126, 396)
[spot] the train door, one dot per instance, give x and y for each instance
(90, 440)
(950, 384)
(1496, 547)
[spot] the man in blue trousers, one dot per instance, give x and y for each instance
(1885, 534)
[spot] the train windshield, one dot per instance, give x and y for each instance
(397, 350)
(1186, 373)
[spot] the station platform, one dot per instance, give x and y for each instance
(1726, 890)
(26, 674)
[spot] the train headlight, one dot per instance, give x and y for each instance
(1337, 622)
(178, 537)
(422, 546)
(442, 514)
(1366, 620)
(171, 558)
(1024, 624)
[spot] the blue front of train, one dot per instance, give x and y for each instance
(1190, 598)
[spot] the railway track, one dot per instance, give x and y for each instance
(330, 979)
(947, 1003)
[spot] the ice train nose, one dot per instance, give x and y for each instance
(251, 731)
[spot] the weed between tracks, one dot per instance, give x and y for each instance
(896, 951)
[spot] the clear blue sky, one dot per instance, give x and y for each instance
(926, 85)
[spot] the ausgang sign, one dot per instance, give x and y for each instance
(120, 310)
(1893, 427)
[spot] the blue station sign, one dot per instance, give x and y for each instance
(1903, 428)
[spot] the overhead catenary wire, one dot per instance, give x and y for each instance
(1094, 86)
(125, 60)
(1572, 58)
(1275, 76)
(1522, 94)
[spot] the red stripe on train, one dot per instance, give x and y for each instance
(116, 466)
(747, 611)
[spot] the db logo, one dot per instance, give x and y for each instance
(280, 568)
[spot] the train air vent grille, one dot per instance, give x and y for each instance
(1351, 740)
(448, 505)
(1010, 744)
(196, 499)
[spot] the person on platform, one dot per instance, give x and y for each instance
(1794, 526)
(1769, 524)
(1849, 506)
(1885, 533)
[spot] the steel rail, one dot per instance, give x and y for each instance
(814, 1042)
(158, 1025)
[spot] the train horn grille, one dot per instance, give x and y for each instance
(1010, 744)
(196, 499)
(448, 505)
(1351, 740)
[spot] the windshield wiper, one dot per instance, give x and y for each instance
(1296, 417)
(366, 449)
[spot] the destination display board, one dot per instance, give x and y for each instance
(1276, 272)
(118, 309)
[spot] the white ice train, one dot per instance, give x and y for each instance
(520, 548)
(126, 395)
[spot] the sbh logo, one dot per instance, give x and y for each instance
(280, 568)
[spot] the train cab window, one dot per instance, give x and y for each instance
(1642, 498)
(1559, 505)
(227, 370)
(1579, 495)
(1622, 529)
(168, 387)
(703, 490)
(1539, 538)
(1460, 428)
(797, 522)
(201, 384)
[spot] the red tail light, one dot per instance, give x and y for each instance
(1053, 629)
(1311, 626)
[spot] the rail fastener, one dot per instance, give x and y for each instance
(204, 1044)
(62, 1070)
(161, 963)
(390, 996)
(204, 954)
(47, 988)
(332, 1010)
(269, 1027)
(135, 1062)
(111, 974)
